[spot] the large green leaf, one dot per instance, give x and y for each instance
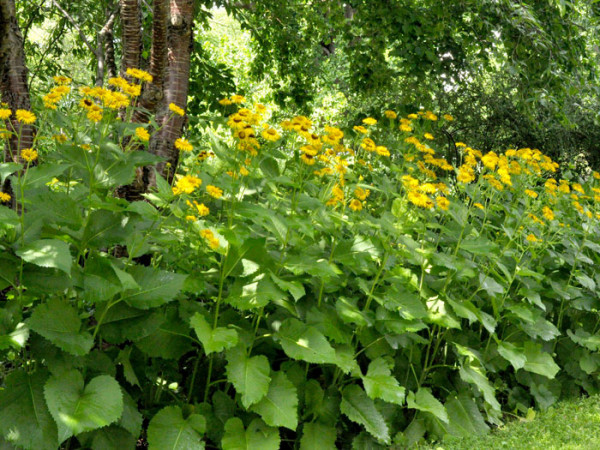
(465, 418)
(249, 376)
(213, 340)
(512, 353)
(59, 322)
(359, 408)
(539, 361)
(279, 408)
(168, 430)
(170, 341)
(476, 376)
(77, 408)
(316, 435)
(24, 417)
(258, 436)
(47, 253)
(424, 401)
(157, 287)
(301, 341)
(379, 383)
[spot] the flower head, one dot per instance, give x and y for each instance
(4, 197)
(29, 154)
(355, 205)
(140, 75)
(142, 134)
(183, 145)
(25, 116)
(369, 121)
(214, 191)
(176, 109)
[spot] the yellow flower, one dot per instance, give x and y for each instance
(430, 116)
(60, 138)
(596, 174)
(29, 154)
(405, 127)
(361, 193)
(5, 113)
(355, 205)
(201, 208)
(307, 159)
(271, 134)
(419, 199)
(25, 116)
(429, 136)
(214, 191)
(443, 203)
(531, 193)
(548, 213)
(369, 121)
(140, 75)
(176, 109)
(412, 116)
(183, 145)
(533, 238)
(94, 115)
(186, 185)
(243, 171)
(225, 102)
(62, 80)
(382, 151)
(142, 134)
(238, 99)
(390, 114)
(360, 129)
(448, 117)
(478, 205)
(4, 197)
(190, 218)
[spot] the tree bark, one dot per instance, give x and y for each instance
(13, 76)
(179, 50)
(153, 92)
(132, 35)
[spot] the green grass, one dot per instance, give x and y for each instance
(572, 424)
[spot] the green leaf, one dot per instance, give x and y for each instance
(315, 435)
(59, 322)
(279, 408)
(258, 436)
(40, 175)
(513, 354)
(168, 430)
(306, 343)
(379, 383)
(476, 376)
(539, 361)
(7, 169)
(76, 408)
(8, 218)
(359, 408)
(171, 339)
(157, 287)
(108, 438)
(47, 253)
(213, 340)
(24, 418)
(465, 418)
(424, 401)
(249, 376)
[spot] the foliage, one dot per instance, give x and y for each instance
(294, 285)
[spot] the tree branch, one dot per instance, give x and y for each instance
(77, 27)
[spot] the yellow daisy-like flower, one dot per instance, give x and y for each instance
(243, 171)
(596, 175)
(225, 102)
(478, 205)
(548, 213)
(361, 193)
(5, 113)
(448, 117)
(62, 80)
(26, 117)
(390, 114)
(360, 129)
(183, 145)
(238, 99)
(190, 218)
(533, 238)
(176, 109)
(382, 151)
(142, 134)
(200, 208)
(271, 134)
(186, 185)
(29, 154)
(94, 115)
(405, 127)
(308, 159)
(214, 191)
(531, 193)
(4, 197)
(443, 203)
(369, 121)
(429, 136)
(355, 205)
(140, 75)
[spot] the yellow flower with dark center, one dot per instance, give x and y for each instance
(140, 75)
(443, 203)
(29, 154)
(24, 116)
(4, 197)
(142, 134)
(307, 159)
(369, 121)
(176, 109)
(214, 191)
(183, 145)
(271, 134)
(355, 205)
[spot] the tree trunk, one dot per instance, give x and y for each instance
(13, 76)
(179, 48)
(132, 35)
(153, 92)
